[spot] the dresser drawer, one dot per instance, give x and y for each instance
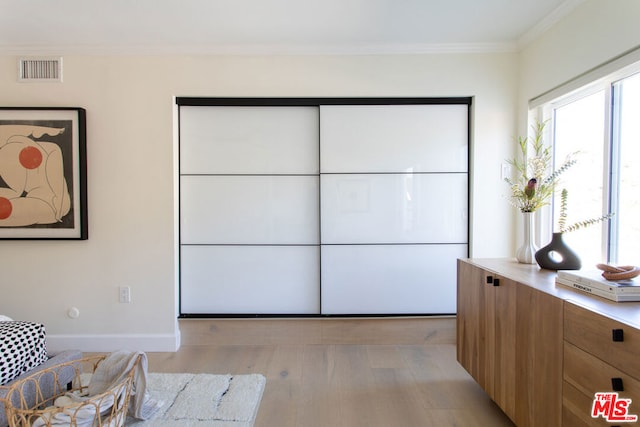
(594, 334)
(576, 409)
(590, 375)
(584, 375)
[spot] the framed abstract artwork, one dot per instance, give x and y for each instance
(43, 171)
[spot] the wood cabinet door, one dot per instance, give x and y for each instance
(467, 318)
(539, 356)
(504, 349)
(475, 326)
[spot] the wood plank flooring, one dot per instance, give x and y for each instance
(341, 372)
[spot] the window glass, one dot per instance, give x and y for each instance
(603, 130)
(628, 206)
(579, 131)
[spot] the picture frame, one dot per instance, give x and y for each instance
(43, 173)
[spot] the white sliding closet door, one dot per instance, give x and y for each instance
(394, 207)
(249, 221)
(322, 206)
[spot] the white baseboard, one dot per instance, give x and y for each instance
(113, 342)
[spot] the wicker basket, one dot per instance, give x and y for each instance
(30, 401)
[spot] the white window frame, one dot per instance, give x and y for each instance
(544, 111)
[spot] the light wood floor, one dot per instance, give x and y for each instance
(341, 372)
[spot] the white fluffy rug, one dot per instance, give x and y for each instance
(204, 400)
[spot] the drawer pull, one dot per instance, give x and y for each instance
(489, 280)
(616, 384)
(618, 335)
(496, 282)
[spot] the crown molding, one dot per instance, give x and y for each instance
(547, 22)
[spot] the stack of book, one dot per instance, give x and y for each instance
(592, 282)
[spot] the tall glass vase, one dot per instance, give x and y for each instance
(526, 254)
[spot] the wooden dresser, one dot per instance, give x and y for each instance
(541, 352)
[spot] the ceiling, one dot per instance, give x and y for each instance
(273, 26)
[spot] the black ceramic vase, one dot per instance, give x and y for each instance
(569, 260)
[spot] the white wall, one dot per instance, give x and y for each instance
(130, 145)
(596, 32)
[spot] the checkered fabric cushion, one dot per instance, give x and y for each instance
(22, 347)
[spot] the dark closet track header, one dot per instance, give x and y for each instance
(314, 102)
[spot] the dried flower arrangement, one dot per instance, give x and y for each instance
(533, 185)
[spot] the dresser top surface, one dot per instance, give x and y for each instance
(545, 281)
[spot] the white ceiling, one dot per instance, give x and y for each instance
(273, 26)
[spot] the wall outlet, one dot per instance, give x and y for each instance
(125, 294)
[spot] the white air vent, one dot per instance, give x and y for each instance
(40, 69)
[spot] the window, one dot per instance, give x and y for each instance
(626, 200)
(598, 125)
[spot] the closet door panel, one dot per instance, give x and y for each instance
(394, 138)
(394, 208)
(249, 209)
(389, 279)
(250, 279)
(249, 140)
